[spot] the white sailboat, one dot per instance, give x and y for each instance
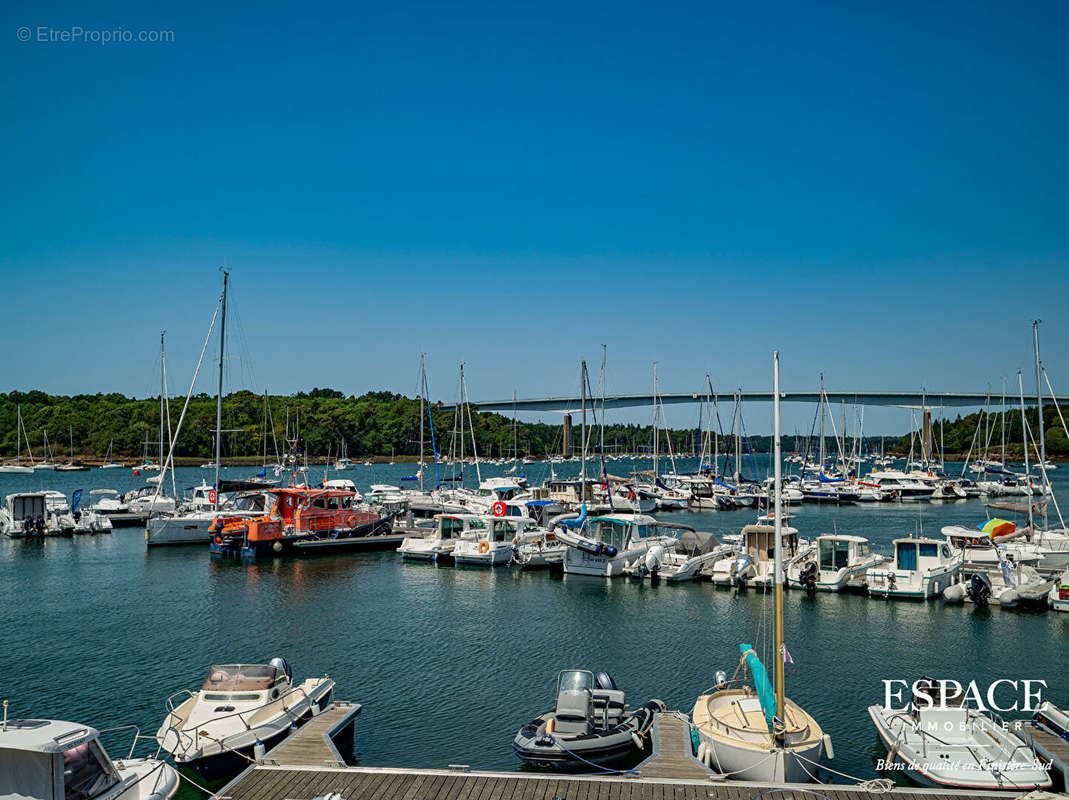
(757, 733)
(18, 468)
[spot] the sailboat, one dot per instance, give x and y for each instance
(109, 460)
(70, 466)
(20, 430)
(47, 461)
(758, 734)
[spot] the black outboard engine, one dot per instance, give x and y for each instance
(604, 681)
(808, 576)
(979, 589)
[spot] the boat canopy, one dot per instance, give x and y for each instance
(240, 677)
(765, 693)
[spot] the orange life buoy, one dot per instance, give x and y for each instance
(499, 509)
(218, 539)
(484, 547)
(351, 520)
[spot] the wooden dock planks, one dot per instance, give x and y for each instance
(313, 745)
(672, 756)
(363, 783)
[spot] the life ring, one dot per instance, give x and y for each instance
(499, 509)
(218, 539)
(484, 548)
(630, 494)
(350, 520)
(212, 496)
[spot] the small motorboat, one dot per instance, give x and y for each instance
(240, 712)
(940, 741)
(684, 562)
(48, 759)
(589, 725)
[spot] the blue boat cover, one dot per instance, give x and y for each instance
(726, 486)
(540, 503)
(825, 479)
(765, 692)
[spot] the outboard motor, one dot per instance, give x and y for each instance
(653, 558)
(808, 576)
(979, 589)
(278, 662)
(741, 570)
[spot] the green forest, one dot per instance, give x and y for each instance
(380, 424)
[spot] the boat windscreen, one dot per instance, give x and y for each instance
(239, 677)
(575, 680)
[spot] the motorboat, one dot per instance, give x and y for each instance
(978, 546)
(1058, 597)
(298, 519)
(438, 544)
(896, 485)
(919, 569)
(23, 515)
(834, 562)
(949, 490)
(940, 741)
(494, 544)
(1004, 584)
(589, 724)
(683, 561)
(148, 501)
(753, 565)
(49, 759)
(603, 545)
(191, 523)
(240, 712)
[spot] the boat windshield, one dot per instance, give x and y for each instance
(239, 678)
(575, 680)
(84, 772)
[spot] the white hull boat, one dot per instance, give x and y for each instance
(241, 711)
(834, 563)
(920, 569)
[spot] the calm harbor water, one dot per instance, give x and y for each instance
(449, 662)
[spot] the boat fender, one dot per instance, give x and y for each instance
(277, 547)
(696, 744)
(611, 551)
(636, 739)
(551, 725)
(259, 751)
(828, 750)
(709, 756)
(701, 752)
(315, 709)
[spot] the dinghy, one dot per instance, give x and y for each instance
(240, 712)
(588, 726)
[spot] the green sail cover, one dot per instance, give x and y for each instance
(765, 693)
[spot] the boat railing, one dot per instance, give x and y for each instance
(138, 736)
(190, 736)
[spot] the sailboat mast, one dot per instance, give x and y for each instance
(219, 394)
(778, 499)
(161, 402)
(1024, 436)
(1039, 407)
(655, 442)
(821, 456)
(582, 450)
(167, 409)
(422, 407)
(1002, 454)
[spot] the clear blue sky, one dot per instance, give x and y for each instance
(879, 190)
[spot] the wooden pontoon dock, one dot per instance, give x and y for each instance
(309, 765)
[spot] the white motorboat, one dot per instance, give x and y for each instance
(147, 501)
(493, 545)
(920, 569)
(192, 523)
(605, 544)
(757, 733)
(26, 514)
(1058, 598)
(683, 561)
(240, 712)
(754, 563)
(942, 742)
(895, 484)
(977, 547)
(439, 543)
(48, 759)
(538, 548)
(833, 563)
(1004, 584)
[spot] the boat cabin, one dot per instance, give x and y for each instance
(759, 542)
(455, 526)
(912, 555)
(623, 530)
(306, 510)
(502, 489)
(836, 552)
(24, 505)
(44, 758)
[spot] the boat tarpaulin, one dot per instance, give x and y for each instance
(229, 487)
(726, 486)
(765, 693)
(825, 479)
(997, 527)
